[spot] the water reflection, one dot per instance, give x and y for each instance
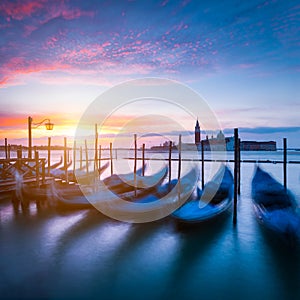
(54, 254)
(285, 261)
(195, 242)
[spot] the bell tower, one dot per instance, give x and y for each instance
(197, 133)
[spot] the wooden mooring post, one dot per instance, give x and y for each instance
(179, 157)
(100, 155)
(66, 159)
(8, 151)
(19, 158)
(202, 165)
(135, 154)
(170, 161)
(111, 159)
(285, 163)
(49, 155)
(74, 159)
(96, 148)
(135, 162)
(37, 167)
(86, 157)
(143, 160)
(43, 171)
(236, 142)
(80, 157)
(5, 147)
(239, 166)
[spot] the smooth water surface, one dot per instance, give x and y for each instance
(54, 254)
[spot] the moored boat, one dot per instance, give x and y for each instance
(157, 203)
(275, 206)
(124, 183)
(214, 200)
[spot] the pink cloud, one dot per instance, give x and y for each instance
(75, 13)
(20, 9)
(106, 44)
(48, 10)
(4, 81)
(18, 66)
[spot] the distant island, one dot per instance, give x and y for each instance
(164, 147)
(218, 143)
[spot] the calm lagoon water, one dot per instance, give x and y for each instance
(82, 254)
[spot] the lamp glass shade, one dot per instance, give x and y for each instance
(49, 126)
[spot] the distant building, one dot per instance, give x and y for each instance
(215, 144)
(219, 143)
(251, 145)
(165, 146)
(258, 146)
(197, 134)
(212, 144)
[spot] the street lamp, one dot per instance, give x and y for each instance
(31, 125)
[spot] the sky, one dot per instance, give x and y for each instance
(241, 57)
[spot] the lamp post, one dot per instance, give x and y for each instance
(31, 125)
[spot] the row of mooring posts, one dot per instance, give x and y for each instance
(236, 175)
(98, 158)
(237, 170)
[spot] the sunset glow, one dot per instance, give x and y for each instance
(58, 56)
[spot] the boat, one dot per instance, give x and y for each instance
(214, 200)
(80, 175)
(83, 178)
(275, 206)
(115, 185)
(55, 165)
(164, 199)
(60, 172)
(124, 183)
(38, 193)
(49, 191)
(132, 190)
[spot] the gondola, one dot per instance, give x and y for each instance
(80, 175)
(62, 190)
(60, 172)
(46, 191)
(55, 165)
(275, 206)
(171, 194)
(124, 183)
(214, 200)
(106, 187)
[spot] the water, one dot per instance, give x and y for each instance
(82, 254)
